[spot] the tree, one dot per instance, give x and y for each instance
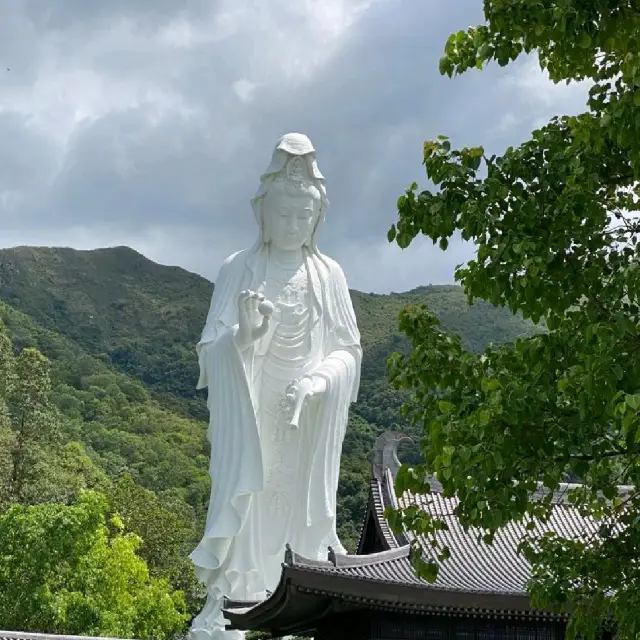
(28, 420)
(63, 570)
(34, 421)
(168, 528)
(35, 466)
(555, 222)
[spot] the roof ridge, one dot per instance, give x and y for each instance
(293, 559)
(385, 453)
(341, 560)
(345, 561)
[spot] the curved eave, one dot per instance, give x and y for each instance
(404, 597)
(307, 595)
(375, 527)
(287, 611)
(381, 496)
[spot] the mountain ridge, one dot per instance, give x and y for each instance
(120, 331)
(145, 318)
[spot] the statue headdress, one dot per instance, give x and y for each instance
(295, 172)
(293, 161)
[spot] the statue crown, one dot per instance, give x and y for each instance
(295, 173)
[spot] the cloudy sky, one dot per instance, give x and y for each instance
(148, 122)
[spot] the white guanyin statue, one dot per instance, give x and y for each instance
(280, 355)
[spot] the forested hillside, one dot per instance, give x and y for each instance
(120, 333)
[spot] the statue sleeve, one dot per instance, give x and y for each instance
(341, 371)
(236, 459)
(219, 318)
(236, 467)
(345, 350)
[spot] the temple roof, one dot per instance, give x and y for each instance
(478, 580)
(311, 591)
(475, 566)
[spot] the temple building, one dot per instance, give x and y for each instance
(375, 594)
(480, 592)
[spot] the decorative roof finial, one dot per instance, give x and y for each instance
(385, 454)
(288, 555)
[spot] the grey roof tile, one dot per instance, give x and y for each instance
(498, 567)
(478, 579)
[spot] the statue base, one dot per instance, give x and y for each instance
(215, 634)
(210, 624)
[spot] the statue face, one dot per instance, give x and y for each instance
(289, 216)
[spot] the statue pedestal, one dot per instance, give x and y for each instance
(217, 634)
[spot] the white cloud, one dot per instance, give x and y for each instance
(148, 123)
(121, 64)
(536, 85)
(334, 17)
(244, 89)
(184, 34)
(384, 268)
(531, 99)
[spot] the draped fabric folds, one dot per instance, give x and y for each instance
(231, 559)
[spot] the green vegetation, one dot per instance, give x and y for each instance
(64, 570)
(556, 223)
(118, 307)
(67, 565)
(133, 428)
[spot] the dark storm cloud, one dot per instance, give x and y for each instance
(164, 115)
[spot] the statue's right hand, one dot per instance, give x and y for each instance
(254, 314)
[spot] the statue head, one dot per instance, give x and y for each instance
(291, 202)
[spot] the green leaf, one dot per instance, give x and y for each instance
(633, 401)
(445, 66)
(490, 384)
(584, 41)
(553, 229)
(403, 239)
(627, 422)
(445, 406)
(430, 572)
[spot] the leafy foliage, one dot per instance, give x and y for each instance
(167, 528)
(38, 467)
(555, 222)
(137, 433)
(63, 571)
(121, 424)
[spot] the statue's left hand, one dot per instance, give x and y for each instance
(299, 390)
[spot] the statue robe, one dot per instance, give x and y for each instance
(230, 559)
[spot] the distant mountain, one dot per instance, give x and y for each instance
(142, 317)
(111, 319)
